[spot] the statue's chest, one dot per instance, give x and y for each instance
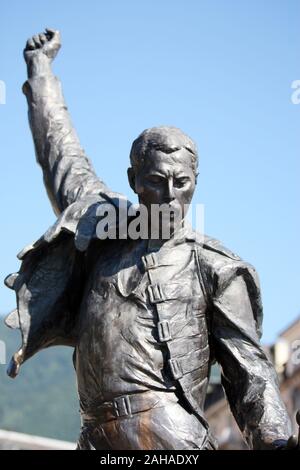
(154, 297)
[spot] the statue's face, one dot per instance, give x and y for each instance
(166, 179)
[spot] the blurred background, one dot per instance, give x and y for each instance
(222, 71)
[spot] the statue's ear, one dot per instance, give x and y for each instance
(131, 178)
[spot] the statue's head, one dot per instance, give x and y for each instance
(163, 168)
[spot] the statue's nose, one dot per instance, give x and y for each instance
(170, 190)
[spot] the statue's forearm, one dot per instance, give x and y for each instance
(254, 396)
(68, 173)
(38, 66)
(248, 378)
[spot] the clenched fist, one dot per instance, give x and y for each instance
(42, 48)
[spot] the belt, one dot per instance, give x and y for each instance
(125, 405)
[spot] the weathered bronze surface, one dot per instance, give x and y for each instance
(146, 318)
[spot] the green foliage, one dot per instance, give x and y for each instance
(42, 400)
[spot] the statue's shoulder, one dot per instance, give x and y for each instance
(219, 267)
(211, 247)
(216, 246)
(79, 220)
(219, 261)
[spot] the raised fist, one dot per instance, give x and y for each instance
(47, 44)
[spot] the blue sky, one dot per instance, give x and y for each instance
(220, 69)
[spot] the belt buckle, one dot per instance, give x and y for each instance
(122, 406)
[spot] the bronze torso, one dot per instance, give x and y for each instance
(142, 323)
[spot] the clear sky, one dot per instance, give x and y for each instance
(219, 69)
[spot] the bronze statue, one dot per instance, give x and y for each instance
(146, 317)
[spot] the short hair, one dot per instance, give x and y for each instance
(164, 138)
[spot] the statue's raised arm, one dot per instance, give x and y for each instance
(68, 173)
